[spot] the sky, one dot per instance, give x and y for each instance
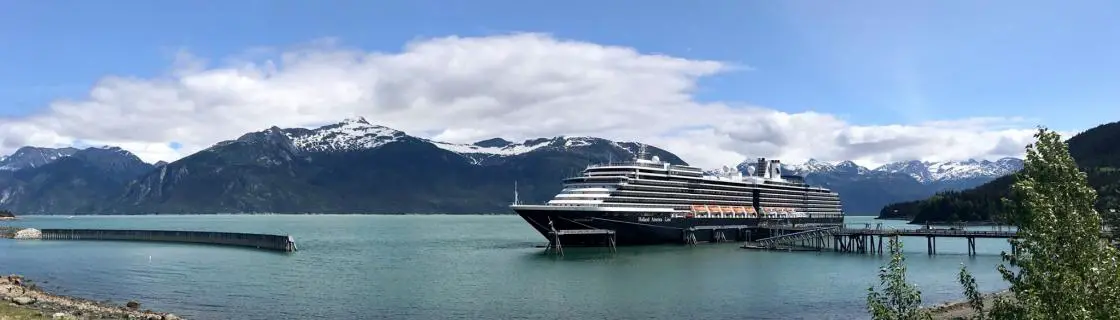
(715, 82)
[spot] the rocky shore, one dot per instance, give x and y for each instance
(25, 300)
(7, 232)
(962, 309)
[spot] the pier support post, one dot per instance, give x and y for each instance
(880, 245)
(554, 245)
(929, 245)
(972, 246)
(689, 236)
(611, 242)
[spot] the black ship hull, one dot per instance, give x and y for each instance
(638, 229)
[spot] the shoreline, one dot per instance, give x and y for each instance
(27, 299)
(962, 309)
(944, 223)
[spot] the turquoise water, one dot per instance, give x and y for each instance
(464, 267)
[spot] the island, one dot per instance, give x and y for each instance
(7, 215)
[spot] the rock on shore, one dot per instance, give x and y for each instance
(15, 290)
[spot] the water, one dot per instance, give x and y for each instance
(464, 267)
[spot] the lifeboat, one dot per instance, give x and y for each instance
(728, 210)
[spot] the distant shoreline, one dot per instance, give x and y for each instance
(944, 223)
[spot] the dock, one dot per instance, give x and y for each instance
(284, 243)
(555, 247)
(864, 240)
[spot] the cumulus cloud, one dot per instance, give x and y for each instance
(456, 89)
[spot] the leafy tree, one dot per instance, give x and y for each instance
(1061, 270)
(975, 299)
(899, 300)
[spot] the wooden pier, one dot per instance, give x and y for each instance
(283, 243)
(718, 233)
(863, 240)
(555, 246)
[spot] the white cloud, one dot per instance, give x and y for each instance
(515, 86)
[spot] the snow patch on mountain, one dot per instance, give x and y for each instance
(506, 150)
(349, 135)
(495, 147)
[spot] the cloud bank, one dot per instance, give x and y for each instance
(456, 89)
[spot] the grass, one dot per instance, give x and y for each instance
(9, 312)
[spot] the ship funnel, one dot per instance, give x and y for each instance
(763, 168)
(776, 169)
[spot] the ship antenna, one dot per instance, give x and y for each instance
(516, 200)
(641, 151)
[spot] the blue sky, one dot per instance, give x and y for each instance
(868, 62)
(874, 62)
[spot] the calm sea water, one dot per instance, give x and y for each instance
(464, 267)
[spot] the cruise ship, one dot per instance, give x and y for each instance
(648, 201)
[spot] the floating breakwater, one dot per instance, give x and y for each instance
(261, 241)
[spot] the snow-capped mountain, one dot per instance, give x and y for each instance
(30, 157)
(925, 172)
(70, 183)
(355, 166)
(865, 190)
(348, 135)
(358, 134)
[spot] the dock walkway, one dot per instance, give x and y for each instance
(253, 240)
(864, 240)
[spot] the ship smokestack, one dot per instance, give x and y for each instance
(763, 169)
(776, 166)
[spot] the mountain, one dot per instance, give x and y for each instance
(865, 191)
(1094, 150)
(356, 167)
(69, 183)
(954, 175)
(30, 157)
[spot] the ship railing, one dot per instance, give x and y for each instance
(644, 165)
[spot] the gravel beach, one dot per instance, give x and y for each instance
(24, 300)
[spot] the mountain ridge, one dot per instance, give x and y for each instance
(355, 166)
